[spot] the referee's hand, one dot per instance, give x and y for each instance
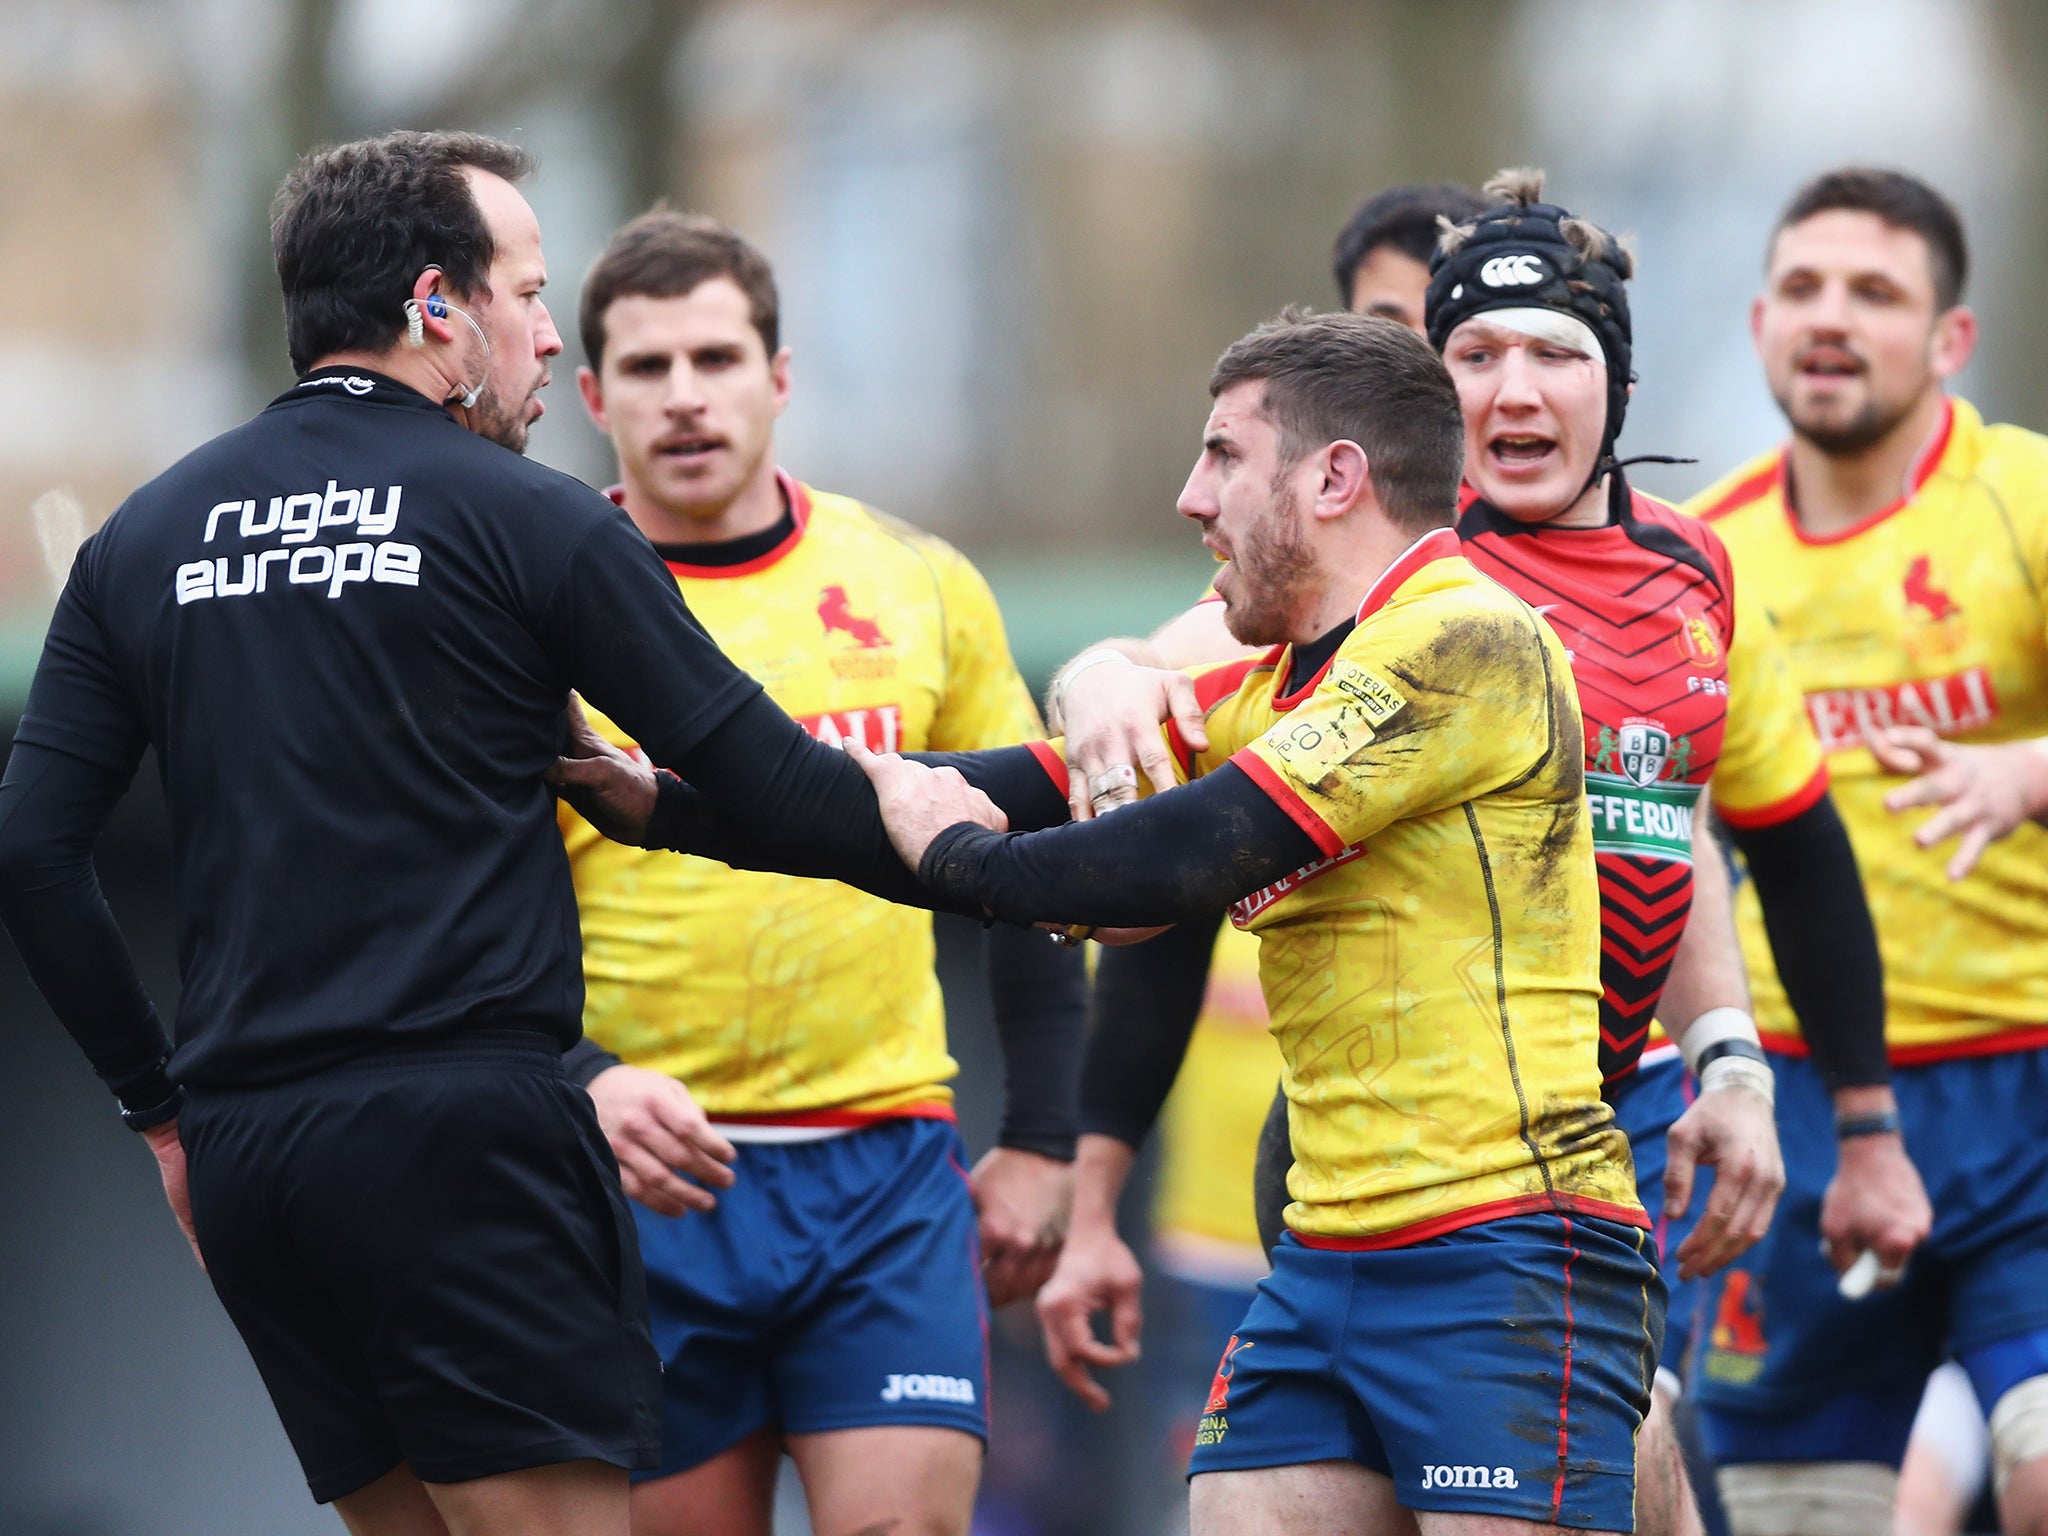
(659, 1133)
(918, 802)
(612, 790)
(170, 1165)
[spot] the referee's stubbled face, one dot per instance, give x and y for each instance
(522, 333)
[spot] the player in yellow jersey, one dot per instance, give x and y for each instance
(831, 1303)
(1400, 784)
(1901, 544)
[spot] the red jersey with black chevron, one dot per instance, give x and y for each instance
(1645, 607)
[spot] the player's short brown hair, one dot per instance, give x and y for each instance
(353, 226)
(1902, 201)
(1367, 380)
(665, 254)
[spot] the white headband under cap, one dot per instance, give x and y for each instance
(1552, 325)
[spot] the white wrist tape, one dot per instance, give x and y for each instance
(1075, 668)
(1738, 1072)
(1711, 1028)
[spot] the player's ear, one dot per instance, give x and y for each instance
(1346, 479)
(1954, 339)
(1756, 322)
(592, 390)
(778, 374)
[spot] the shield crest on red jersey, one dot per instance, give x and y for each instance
(1645, 749)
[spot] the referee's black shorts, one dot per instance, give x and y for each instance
(429, 1256)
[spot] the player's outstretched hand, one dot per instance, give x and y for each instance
(659, 1133)
(1983, 792)
(1097, 1272)
(919, 802)
(610, 789)
(1023, 1200)
(1111, 716)
(1731, 1129)
(1875, 1202)
(170, 1165)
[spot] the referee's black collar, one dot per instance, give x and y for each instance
(347, 382)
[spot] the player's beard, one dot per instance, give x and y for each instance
(1275, 568)
(1869, 425)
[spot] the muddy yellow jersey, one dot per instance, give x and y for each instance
(1433, 977)
(1929, 612)
(784, 999)
(1209, 1131)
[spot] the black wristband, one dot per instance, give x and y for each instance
(156, 1114)
(1748, 1050)
(1882, 1123)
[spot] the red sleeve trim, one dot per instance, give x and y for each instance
(1177, 744)
(1282, 794)
(1745, 491)
(1054, 765)
(1804, 799)
(851, 1119)
(1472, 1216)
(2027, 1037)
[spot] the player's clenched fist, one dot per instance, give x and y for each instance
(919, 802)
(658, 1132)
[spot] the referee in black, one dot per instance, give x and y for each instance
(348, 627)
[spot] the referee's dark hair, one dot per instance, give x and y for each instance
(354, 224)
(665, 254)
(1404, 217)
(1900, 200)
(1368, 380)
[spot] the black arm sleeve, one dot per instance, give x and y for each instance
(53, 807)
(762, 794)
(1823, 940)
(1146, 1000)
(1167, 859)
(582, 1062)
(1038, 991)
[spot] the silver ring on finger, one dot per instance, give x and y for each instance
(1116, 784)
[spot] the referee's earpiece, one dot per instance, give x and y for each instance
(415, 327)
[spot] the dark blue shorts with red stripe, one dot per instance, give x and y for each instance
(1501, 1369)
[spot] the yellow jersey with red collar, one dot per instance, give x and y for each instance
(1929, 612)
(784, 1000)
(1433, 977)
(1202, 1220)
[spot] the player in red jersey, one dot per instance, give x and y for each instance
(1533, 318)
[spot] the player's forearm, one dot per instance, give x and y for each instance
(1169, 859)
(1823, 941)
(52, 810)
(1102, 1166)
(1141, 1016)
(761, 793)
(1707, 972)
(1038, 992)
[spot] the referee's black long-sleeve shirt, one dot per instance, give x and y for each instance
(348, 627)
